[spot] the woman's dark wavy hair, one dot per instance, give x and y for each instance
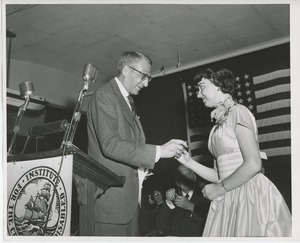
(219, 76)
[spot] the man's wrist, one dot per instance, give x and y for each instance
(158, 153)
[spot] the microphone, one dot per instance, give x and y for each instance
(49, 128)
(26, 89)
(89, 75)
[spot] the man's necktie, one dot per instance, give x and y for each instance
(187, 196)
(133, 107)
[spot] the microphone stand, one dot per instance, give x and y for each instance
(69, 136)
(16, 129)
(67, 141)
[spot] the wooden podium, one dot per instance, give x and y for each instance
(31, 180)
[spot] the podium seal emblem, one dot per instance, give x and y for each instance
(37, 205)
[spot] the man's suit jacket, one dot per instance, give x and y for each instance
(117, 141)
(181, 222)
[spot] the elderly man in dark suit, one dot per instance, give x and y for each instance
(117, 141)
(185, 210)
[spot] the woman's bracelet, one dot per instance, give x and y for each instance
(222, 183)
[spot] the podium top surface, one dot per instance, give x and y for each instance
(83, 165)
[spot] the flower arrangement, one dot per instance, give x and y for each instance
(221, 112)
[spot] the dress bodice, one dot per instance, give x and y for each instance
(222, 138)
(223, 143)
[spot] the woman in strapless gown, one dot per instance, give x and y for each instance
(244, 202)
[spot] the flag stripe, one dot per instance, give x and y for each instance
(274, 128)
(201, 130)
(272, 83)
(199, 144)
(273, 97)
(273, 105)
(204, 159)
(277, 151)
(200, 151)
(199, 137)
(274, 136)
(273, 121)
(272, 113)
(281, 158)
(275, 144)
(272, 90)
(271, 76)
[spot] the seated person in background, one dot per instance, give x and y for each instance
(185, 209)
(146, 213)
(154, 224)
(151, 202)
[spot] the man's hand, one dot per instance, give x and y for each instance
(173, 148)
(183, 202)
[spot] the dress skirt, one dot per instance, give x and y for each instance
(254, 209)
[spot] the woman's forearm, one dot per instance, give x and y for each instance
(205, 172)
(239, 177)
(251, 156)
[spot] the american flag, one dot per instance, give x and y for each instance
(198, 124)
(271, 109)
(266, 93)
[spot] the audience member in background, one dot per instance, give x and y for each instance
(186, 209)
(151, 201)
(244, 201)
(154, 220)
(148, 206)
(116, 140)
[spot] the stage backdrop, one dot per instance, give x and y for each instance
(167, 110)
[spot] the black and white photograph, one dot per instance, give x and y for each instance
(175, 120)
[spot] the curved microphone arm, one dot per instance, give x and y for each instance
(89, 76)
(16, 129)
(68, 139)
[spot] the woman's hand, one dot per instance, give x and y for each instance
(213, 191)
(170, 194)
(184, 158)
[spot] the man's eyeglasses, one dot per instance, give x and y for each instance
(145, 75)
